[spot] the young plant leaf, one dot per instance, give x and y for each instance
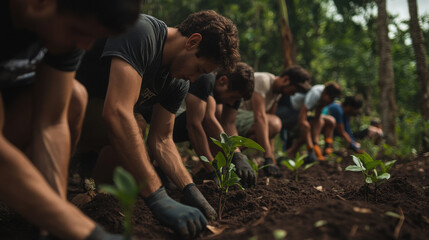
(307, 166)
(204, 159)
(358, 162)
(373, 164)
(354, 168)
(217, 142)
(220, 160)
(384, 176)
(287, 164)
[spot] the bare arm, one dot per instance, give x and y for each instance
(50, 144)
(228, 117)
(211, 124)
(305, 126)
(195, 112)
(261, 124)
(162, 147)
(124, 135)
(36, 200)
(340, 129)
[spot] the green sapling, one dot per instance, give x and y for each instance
(126, 190)
(295, 165)
(223, 166)
(374, 172)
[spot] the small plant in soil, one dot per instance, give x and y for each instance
(295, 165)
(223, 166)
(374, 172)
(126, 190)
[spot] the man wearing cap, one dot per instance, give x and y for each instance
(256, 117)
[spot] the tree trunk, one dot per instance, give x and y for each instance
(386, 78)
(422, 70)
(286, 34)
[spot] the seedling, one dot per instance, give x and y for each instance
(126, 190)
(373, 171)
(255, 167)
(294, 166)
(224, 168)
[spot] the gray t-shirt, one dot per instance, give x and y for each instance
(311, 99)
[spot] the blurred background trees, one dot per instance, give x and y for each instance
(336, 40)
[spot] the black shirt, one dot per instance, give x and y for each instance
(172, 97)
(21, 51)
(142, 47)
(203, 87)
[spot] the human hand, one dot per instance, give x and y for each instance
(271, 169)
(184, 220)
(244, 170)
(193, 197)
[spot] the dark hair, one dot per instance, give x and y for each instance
(219, 37)
(355, 102)
(299, 77)
(297, 73)
(116, 15)
(333, 89)
(240, 79)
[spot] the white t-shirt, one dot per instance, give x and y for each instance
(311, 99)
(264, 87)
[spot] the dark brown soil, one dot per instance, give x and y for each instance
(335, 210)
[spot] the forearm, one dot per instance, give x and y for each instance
(230, 129)
(50, 153)
(199, 141)
(35, 199)
(164, 151)
(125, 138)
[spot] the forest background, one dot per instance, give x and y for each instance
(335, 40)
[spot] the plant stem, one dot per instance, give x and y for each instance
(296, 175)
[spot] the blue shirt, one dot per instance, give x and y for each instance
(335, 110)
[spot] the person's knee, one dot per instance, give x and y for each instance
(330, 121)
(275, 125)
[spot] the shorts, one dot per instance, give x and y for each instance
(244, 122)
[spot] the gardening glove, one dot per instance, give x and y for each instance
(318, 153)
(355, 147)
(193, 197)
(244, 170)
(184, 220)
(311, 157)
(271, 169)
(100, 234)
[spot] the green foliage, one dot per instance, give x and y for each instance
(126, 190)
(295, 165)
(373, 171)
(223, 166)
(333, 40)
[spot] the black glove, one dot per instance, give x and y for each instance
(354, 147)
(311, 157)
(271, 169)
(244, 170)
(193, 197)
(184, 220)
(99, 234)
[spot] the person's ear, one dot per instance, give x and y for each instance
(223, 81)
(41, 8)
(193, 41)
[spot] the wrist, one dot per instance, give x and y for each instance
(156, 196)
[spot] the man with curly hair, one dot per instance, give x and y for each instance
(149, 66)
